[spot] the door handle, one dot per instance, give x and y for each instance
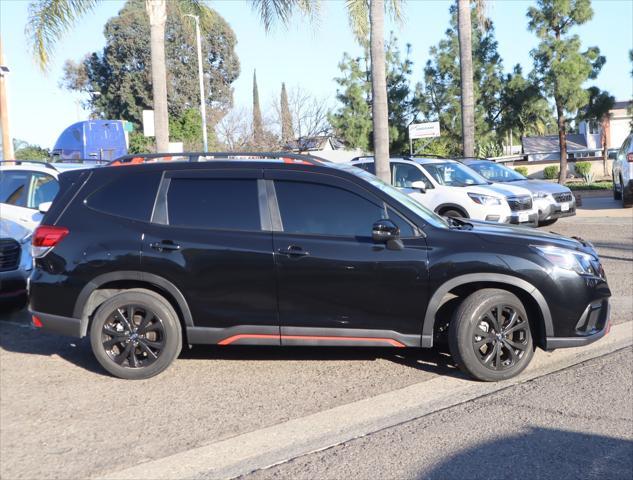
(293, 251)
(165, 246)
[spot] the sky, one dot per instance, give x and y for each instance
(304, 54)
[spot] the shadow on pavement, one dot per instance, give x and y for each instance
(17, 335)
(541, 453)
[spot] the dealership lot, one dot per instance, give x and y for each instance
(63, 417)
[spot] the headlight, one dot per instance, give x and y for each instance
(484, 199)
(540, 195)
(568, 259)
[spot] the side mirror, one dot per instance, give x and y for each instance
(384, 230)
(419, 185)
(44, 207)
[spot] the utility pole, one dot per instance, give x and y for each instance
(203, 108)
(7, 144)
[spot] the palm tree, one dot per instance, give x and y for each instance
(49, 20)
(464, 24)
(366, 18)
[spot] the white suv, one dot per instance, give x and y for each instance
(452, 189)
(623, 173)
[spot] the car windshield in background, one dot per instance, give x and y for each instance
(453, 174)
(496, 173)
(429, 216)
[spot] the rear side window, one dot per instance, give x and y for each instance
(367, 166)
(14, 187)
(44, 188)
(129, 195)
(213, 203)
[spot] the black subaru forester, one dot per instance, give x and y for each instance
(146, 255)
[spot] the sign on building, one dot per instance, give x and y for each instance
(424, 130)
(148, 123)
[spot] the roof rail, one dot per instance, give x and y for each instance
(285, 157)
(34, 162)
(81, 160)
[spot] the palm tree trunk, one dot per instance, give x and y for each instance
(604, 138)
(379, 89)
(466, 66)
(562, 141)
(156, 9)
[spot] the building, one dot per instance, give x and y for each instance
(588, 141)
(324, 146)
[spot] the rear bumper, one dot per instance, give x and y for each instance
(593, 325)
(68, 326)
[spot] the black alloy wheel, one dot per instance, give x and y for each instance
(133, 336)
(501, 337)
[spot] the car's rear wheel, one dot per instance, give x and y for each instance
(135, 334)
(490, 336)
(617, 194)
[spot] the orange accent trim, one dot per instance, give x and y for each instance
(234, 338)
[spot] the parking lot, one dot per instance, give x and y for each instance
(62, 416)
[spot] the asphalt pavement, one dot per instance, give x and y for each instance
(62, 416)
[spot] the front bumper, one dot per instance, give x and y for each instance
(523, 218)
(592, 325)
(13, 283)
(550, 210)
(68, 326)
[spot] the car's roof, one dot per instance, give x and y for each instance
(420, 160)
(29, 166)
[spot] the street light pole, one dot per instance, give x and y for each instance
(203, 109)
(7, 144)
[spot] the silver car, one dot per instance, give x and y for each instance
(15, 259)
(552, 200)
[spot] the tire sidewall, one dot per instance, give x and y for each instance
(462, 329)
(151, 301)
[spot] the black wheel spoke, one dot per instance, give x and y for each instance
(148, 350)
(108, 344)
(152, 327)
(479, 343)
(132, 360)
(513, 319)
(155, 345)
(124, 354)
(499, 318)
(493, 320)
(517, 345)
(111, 332)
(130, 316)
(511, 351)
(147, 318)
(518, 326)
(124, 320)
(498, 356)
(489, 356)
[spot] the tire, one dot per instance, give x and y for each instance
(627, 196)
(473, 338)
(545, 223)
(617, 194)
(160, 337)
(453, 214)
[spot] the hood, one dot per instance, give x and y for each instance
(540, 186)
(11, 229)
(508, 234)
(508, 190)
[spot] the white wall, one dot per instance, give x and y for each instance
(620, 129)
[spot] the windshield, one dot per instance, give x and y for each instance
(454, 174)
(419, 209)
(496, 173)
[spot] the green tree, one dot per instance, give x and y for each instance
(26, 151)
(258, 124)
(438, 97)
(119, 72)
(561, 67)
(287, 132)
(597, 110)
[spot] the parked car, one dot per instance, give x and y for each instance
(15, 261)
(452, 189)
(292, 251)
(552, 200)
(25, 186)
(622, 173)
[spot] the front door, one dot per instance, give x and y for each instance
(336, 286)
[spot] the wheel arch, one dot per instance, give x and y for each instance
(531, 297)
(104, 286)
(451, 206)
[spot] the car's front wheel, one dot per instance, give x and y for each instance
(135, 334)
(490, 336)
(617, 194)
(545, 223)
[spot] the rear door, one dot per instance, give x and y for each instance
(210, 237)
(333, 280)
(21, 193)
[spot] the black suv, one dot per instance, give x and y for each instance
(280, 249)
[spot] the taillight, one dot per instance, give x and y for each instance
(45, 238)
(629, 157)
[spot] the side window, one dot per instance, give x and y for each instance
(213, 203)
(14, 187)
(406, 230)
(129, 195)
(404, 175)
(312, 208)
(44, 188)
(367, 166)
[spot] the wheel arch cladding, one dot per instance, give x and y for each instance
(104, 286)
(532, 299)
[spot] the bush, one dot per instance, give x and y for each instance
(583, 169)
(522, 170)
(551, 172)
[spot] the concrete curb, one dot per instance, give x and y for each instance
(279, 443)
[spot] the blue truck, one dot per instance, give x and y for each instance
(92, 140)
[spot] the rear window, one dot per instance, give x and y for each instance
(130, 195)
(213, 203)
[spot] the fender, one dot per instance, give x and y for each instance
(454, 206)
(96, 282)
(434, 303)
